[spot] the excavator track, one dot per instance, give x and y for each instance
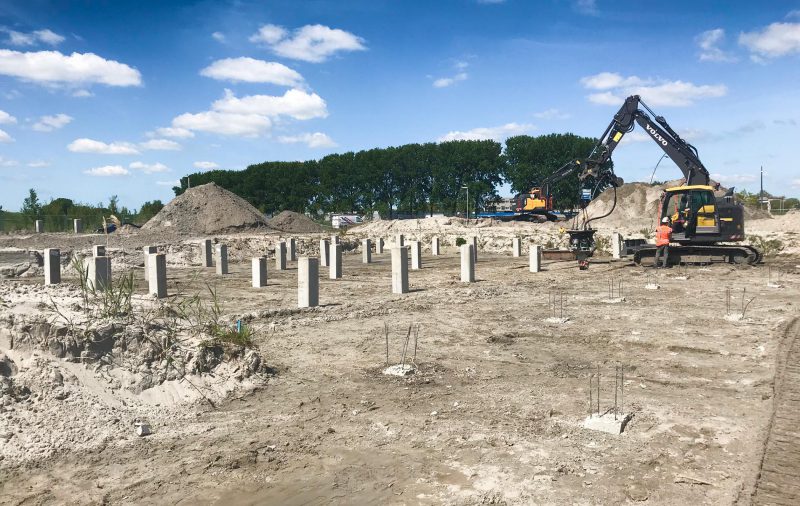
(739, 254)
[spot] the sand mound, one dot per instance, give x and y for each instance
(637, 206)
(789, 222)
(294, 223)
(206, 209)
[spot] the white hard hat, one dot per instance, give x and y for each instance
(665, 220)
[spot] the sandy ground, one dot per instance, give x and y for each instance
(494, 413)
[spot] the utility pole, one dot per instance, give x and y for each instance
(761, 193)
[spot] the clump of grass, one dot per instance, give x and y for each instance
(602, 245)
(236, 336)
(460, 241)
(769, 247)
(110, 301)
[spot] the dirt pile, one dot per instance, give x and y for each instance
(789, 222)
(636, 207)
(206, 209)
(294, 223)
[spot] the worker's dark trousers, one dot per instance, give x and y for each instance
(662, 250)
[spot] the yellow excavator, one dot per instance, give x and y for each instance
(703, 224)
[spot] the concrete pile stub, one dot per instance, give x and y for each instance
(148, 250)
(222, 259)
(52, 266)
(292, 250)
(516, 247)
(435, 247)
(324, 252)
(207, 252)
(616, 245)
(399, 241)
(98, 251)
(157, 274)
(259, 272)
(379, 246)
(336, 261)
(416, 255)
(467, 263)
(400, 270)
(98, 272)
(474, 242)
(280, 256)
(535, 258)
(77, 226)
(366, 251)
(39, 226)
(307, 282)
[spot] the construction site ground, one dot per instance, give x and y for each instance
(495, 411)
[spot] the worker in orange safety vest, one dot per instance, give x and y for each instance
(663, 236)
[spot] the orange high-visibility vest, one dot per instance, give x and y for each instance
(663, 235)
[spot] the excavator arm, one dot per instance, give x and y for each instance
(681, 152)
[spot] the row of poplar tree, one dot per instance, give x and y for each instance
(412, 179)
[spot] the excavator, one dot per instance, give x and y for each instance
(703, 224)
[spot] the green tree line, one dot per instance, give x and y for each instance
(409, 179)
(58, 213)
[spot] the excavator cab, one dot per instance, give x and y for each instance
(692, 211)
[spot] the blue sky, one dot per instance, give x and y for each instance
(124, 97)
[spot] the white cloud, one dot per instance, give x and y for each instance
(168, 183)
(218, 36)
(552, 114)
(655, 92)
(92, 146)
(248, 125)
(149, 168)
(709, 42)
(734, 178)
(6, 118)
(4, 137)
(294, 103)
(795, 183)
(498, 133)
(461, 75)
(444, 82)
(45, 36)
(311, 43)
(269, 34)
(37, 164)
(177, 133)
(4, 162)
(777, 39)
(50, 123)
(793, 14)
(82, 94)
(107, 170)
(53, 67)
(205, 165)
(588, 7)
(160, 145)
(312, 140)
(610, 80)
(252, 115)
(250, 70)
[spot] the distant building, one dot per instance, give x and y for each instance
(501, 205)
